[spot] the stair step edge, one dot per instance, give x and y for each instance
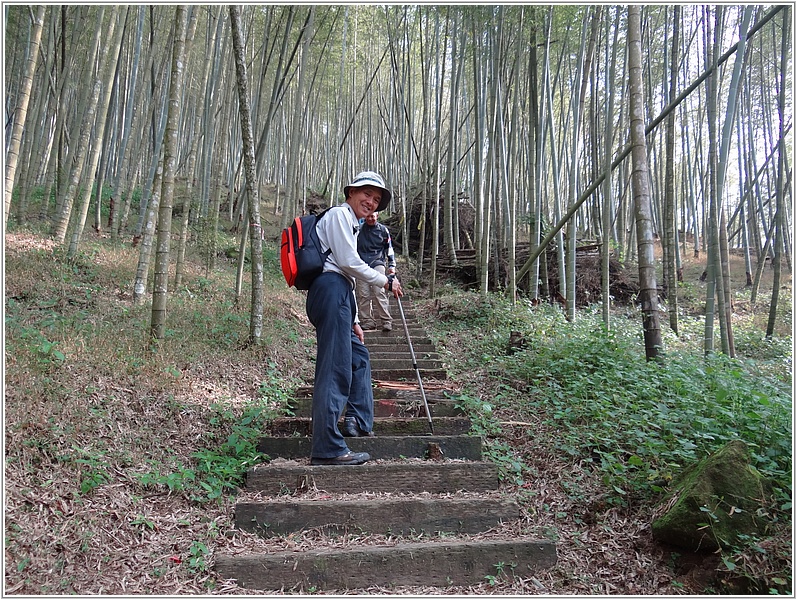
(399, 516)
(441, 564)
(285, 476)
(381, 447)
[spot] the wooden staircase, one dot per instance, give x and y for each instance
(415, 515)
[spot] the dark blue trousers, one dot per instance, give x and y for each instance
(342, 368)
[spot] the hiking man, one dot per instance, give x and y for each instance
(343, 364)
(376, 248)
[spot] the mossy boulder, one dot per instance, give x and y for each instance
(714, 502)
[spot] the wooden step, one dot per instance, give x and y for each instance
(415, 327)
(399, 343)
(409, 476)
(410, 405)
(397, 516)
(395, 363)
(422, 345)
(408, 374)
(424, 359)
(443, 564)
(400, 354)
(415, 408)
(383, 392)
(465, 447)
(288, 426)
(410, 315)
(420, 349)
(413, 322)
(397, 335)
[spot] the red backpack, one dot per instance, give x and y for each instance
(300, 253)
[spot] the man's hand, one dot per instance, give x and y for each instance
(358, 331)
(394, 285)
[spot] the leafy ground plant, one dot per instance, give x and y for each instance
(640, 421)
(626, 426)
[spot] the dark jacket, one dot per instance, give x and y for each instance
(375, 246)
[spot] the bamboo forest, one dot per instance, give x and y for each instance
(592, 214)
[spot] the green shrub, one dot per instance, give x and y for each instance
(636, 422)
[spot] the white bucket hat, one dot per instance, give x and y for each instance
(373, 179)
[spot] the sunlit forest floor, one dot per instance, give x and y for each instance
(121, 455)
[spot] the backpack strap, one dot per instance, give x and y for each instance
(317, 219)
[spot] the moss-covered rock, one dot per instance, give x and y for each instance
(714, 502)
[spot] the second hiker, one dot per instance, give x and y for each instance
(375, 248)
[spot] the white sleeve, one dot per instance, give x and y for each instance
(342, 240)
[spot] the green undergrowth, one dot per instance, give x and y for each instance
(231, 446)
(637, 422)
(78, 356)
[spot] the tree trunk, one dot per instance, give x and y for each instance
(438, 110)
(104, 81)
(779, 190)
(648, 293)
(478, 175)
(607, 183)
(295, 142)
(256, 313)
(581, 77)
(129, 103)
(733, 95)
(38, 147)
(12, 154)
(191, 169)
(450, 203)
(160, 285)
(714, 287)
(539, 152)
(67, 197)
(423, 160)
(669, 244)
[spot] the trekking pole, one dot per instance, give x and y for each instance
(415, 365)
